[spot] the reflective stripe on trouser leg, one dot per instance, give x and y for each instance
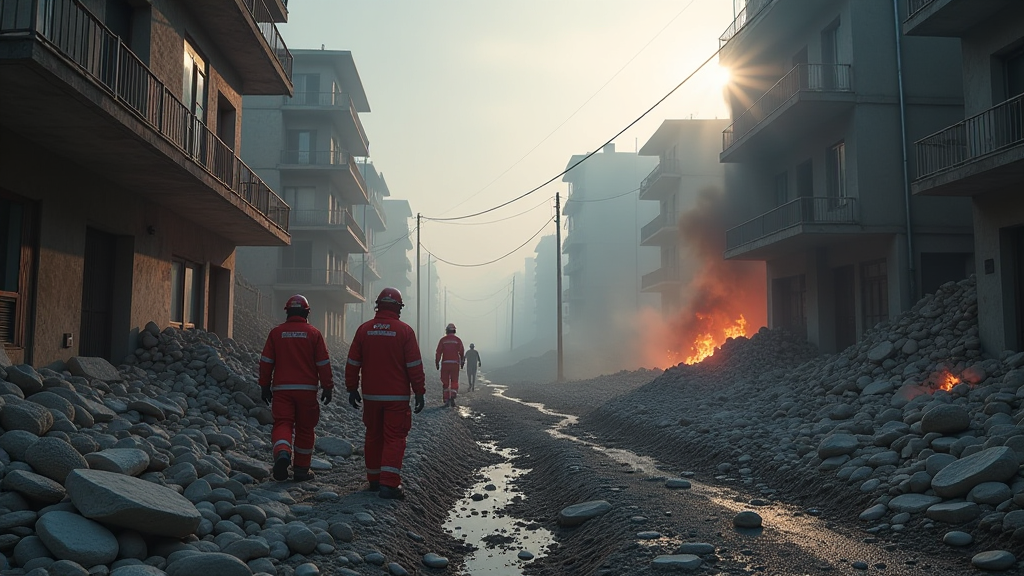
(373, 441)
(283, 409)
(397, 422)
(449, 380)
(307, 417)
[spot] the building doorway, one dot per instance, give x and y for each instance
(1018, 283)
(97, 294)
(875, 292)
(846, 307)
(788, 297)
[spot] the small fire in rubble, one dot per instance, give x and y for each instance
(944, 380)
(705, 343)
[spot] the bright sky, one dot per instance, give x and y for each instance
(475, 102)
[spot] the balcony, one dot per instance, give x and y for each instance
(370, 264)
(573, 241)
(278, 10)
(321, 281)
(794, 107)
(376, 211)
(339, 165)
(339, 223)
(950, 18)
(573, 293)
(793, 227)
(661, 280)
(763, 24)
(247, 36)
(662, 231)
(338, 106)
(980, 154)
(72, 86)
(573, 265)
(749, 12)
(662, 182)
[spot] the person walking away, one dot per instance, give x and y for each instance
(448, 358)
(472, 361)
(294, 364)
(384, 350)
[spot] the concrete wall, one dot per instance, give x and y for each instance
(982, 82)
(997, 216)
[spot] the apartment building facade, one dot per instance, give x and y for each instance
(307, 147)
(827, 98)
(394, 255)
(364, 266)
(981, 155)
(687, 153)
(122, 195)
(603, 258)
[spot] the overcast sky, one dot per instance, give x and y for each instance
(475, 102)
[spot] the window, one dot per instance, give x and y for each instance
(307, 89)
(835, 175)
(874, 292)
(186, 294)
(298, 255)
(12, 217)
(194, 97)
(302, 201)
(301, 146)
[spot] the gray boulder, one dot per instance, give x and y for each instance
(945, 419)
(996, 464)
(241, 463)
(71, 537)
(673, 562)
(54, 402)
(33, 486)
(994, 560)
(27, 416)
(25, 377)
(129, 502)
(17, 442)
(128, 461)
(579, 513)
(93, 369)
(334, 446)
(837, 445)
(207, 564)
(953, 512)
(54, 458)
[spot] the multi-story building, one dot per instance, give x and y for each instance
(545, 294)
(306, 146)
(687, 152)
(981, 155)
(827, 98)
(364, 266)
(393, 253)
(122, 197)
(604, 260)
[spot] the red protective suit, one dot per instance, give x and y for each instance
(450, 355)
(385, 351)
(294, 359)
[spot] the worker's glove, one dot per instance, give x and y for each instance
(437, 365)
(354, 399)
(418, 406)
(266, 394)
(327, 395)
(462, 365)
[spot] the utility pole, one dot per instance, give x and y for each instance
(558, 279)
(445, 304)
(428, 290)
(512, 320)
(418, 276)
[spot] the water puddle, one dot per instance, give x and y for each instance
(503, 544)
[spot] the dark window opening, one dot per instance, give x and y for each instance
(875, 292)
(788, 304)
(186, 294)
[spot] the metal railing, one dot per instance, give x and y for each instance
(265, 21)
(809, 210)
(666, 166)
(660, 275)
(335, 99)
(311, 276)
(317, 218)
(377, 206)
(352, 284)
(744, 16)
(802, 78)
(314, 157)
(354, 227)
(68, 28)
(999, 127)
(915, 6)
(662, 220)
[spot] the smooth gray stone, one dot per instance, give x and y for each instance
(129, 502)
(994, 560)
(27, 416)
(686, 562)
(300, 539)
(696, 548)
(54, 402)
(92, 368)
(837, 445)
(137, 570)
(993, 493)
(241, 463)
(54, 458)
(30, 548)
(24, 376)
(945, 419)
(33, 486)
(334, 446)
(248, 549)
(431, 560)
(208, 564)
(71, 537)
(307, 569)
(996, 464)
(953, 512)
(396, 569)
(20, 518)
(17, 442)
(957, 539)
(66, 568)
(913, 503)
(874, 513)
(676, 483)
(129, 461)
(579, 513)
(747, 519)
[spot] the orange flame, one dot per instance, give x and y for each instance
(705, 343)
(945, 380)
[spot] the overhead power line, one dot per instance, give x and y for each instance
(438, 258)
(589, 154)
(486, 298)
(604, 199)
(546, 200)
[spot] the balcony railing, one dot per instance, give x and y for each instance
(261, 14)
(354, 227)
(663, 220)
(666, 166)
(993, 130)
(352, 284)
(659, 276)
(810, 210)
(802, 78)
(70, 29)
(311, 276)
(915, 6)
(318, 218)
(752, 9)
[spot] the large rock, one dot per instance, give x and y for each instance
(992, 465)
(129, 461)
(994, 560)
(132, 503)
(54, 458)
(25, 377)
(912, 503)
(33, 486)
(945, 419)
(99, 412)
(334, 446)
(208, 564)
(837, 445)
(687, 562)
(242, 463)
(54, 402)
(71, 537)
(17, 442)
(579, 513)
(953, 512)
(881, 352)
(27, 416)
(93, 369)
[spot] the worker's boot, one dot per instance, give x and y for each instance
(281, 464)
(304, 474)
(391, 492)
(453, 400)
(372, 486)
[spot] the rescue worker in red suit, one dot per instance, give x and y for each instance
(385, 351)
(448, 358)
(293, 362)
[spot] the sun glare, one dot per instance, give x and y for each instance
(722, 76)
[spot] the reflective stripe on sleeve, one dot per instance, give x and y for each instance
(324, 362)
(385, 397)
(411, 364)
(267, 360)
(354, 362)
(391, 469)
(312, 387)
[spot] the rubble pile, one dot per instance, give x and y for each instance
(915, 419)
(156, 466)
